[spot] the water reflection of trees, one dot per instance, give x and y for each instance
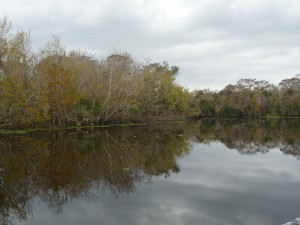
(61, 166)
(252, 137)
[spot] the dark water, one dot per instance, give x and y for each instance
(207, 173)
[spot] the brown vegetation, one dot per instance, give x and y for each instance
(58, 87)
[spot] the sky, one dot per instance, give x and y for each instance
(214, 42)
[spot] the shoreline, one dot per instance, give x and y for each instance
(31, 130)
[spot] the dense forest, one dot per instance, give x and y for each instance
(56, 87)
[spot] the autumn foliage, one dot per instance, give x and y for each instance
(58, 87)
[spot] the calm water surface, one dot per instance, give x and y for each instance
(200, 172)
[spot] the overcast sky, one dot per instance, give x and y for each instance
(214, 42)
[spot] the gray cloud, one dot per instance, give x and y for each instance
(214, 42)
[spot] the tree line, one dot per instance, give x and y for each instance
(250, 98)
(57, 87)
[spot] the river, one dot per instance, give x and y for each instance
(209, 172)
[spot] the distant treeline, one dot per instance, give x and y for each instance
(250, 98)
(58, 87)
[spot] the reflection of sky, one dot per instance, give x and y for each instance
(215, 187)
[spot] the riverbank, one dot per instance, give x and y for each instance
(30, 130)
(26, 131)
